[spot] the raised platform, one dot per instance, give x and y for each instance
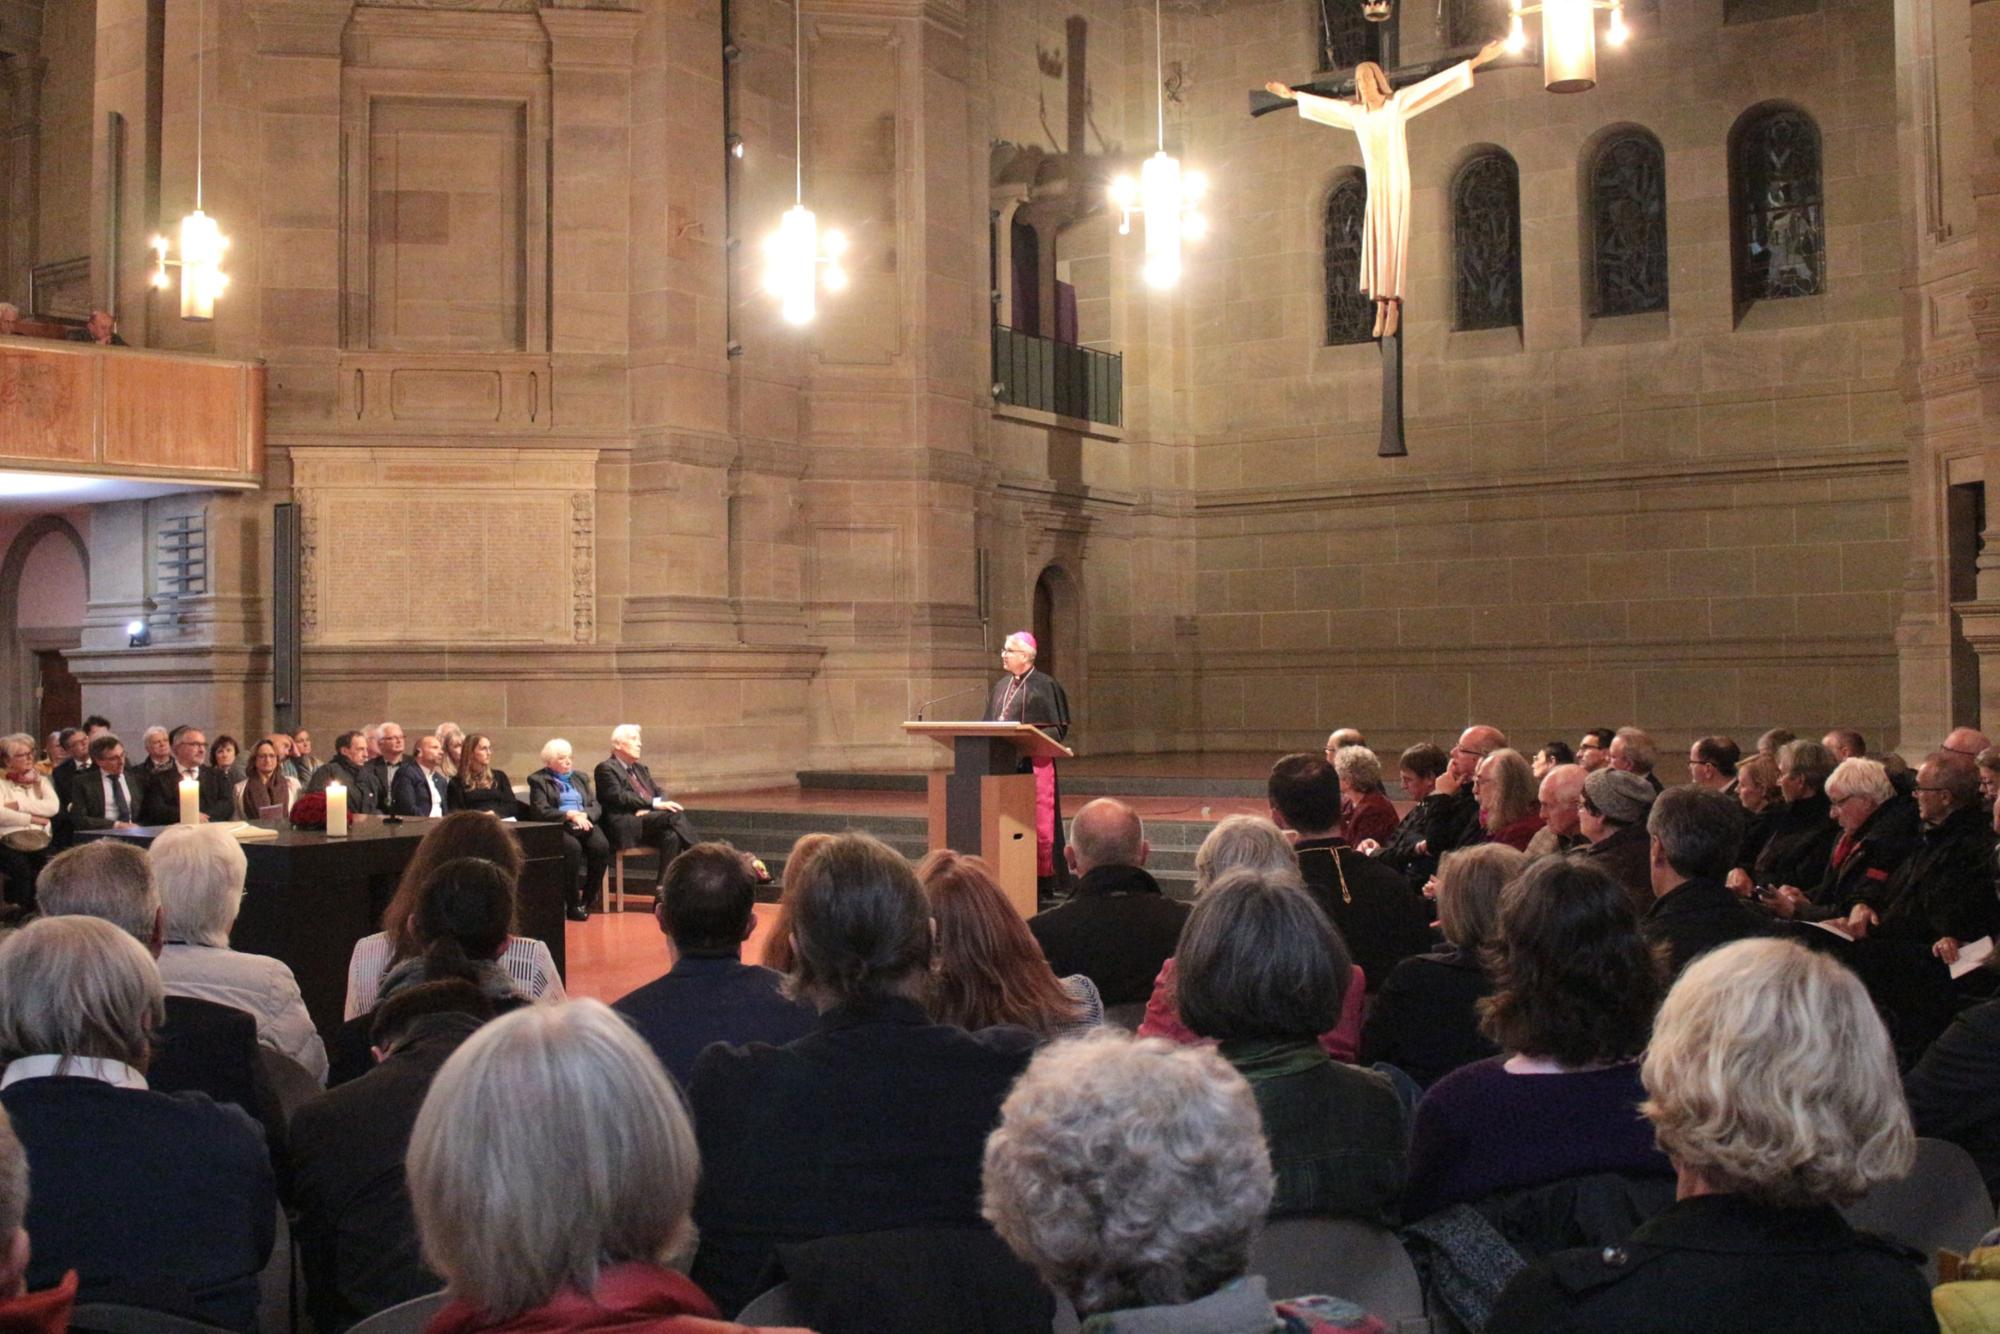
(1180, 797)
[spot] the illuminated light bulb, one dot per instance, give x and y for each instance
(1160, 195)
(1194, 184)
(1193, 226)
(1616, 32)
(1517, 35)
(835, 244)
(1124, 193)
(1569, 46)
(836, 278)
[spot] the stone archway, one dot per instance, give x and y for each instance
(17, 658)
(1058, 625)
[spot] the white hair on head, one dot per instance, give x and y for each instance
(78, 987)
(624, 732)
(198, 870)
(555, 750)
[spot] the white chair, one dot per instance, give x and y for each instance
(408, 1317)
(773, 1306)
(1941, 1205)
(1340, 1257)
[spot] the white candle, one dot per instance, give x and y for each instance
(336, 810)
(190, 801)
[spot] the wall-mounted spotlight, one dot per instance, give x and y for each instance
(138, 634)
(735, 142)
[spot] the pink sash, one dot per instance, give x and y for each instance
(1045, 817)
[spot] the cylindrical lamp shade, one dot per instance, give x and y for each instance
(1569, 46)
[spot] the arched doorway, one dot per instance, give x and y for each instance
(1059, 630)
(44, 584)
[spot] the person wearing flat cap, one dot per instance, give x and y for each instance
(1024, 694)
(1612, 814)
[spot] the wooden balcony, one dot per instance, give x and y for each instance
(77, 408)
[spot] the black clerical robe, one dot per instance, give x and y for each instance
(1036, 698)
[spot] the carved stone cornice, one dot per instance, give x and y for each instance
(299, 27)
(590, 38)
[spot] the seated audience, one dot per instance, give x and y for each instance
(452, 737)
(1454, 821)
(1559, 797)
(1844, 743)
(23, 1311)
(778, 940)
(1612, 817)
(709, 995)
(420, 785)
(1771, 742)
(1942, 895)
(1376, 912)
(1966, 741)
(1757, 793)
(1574, 989)
(1770, 1087)
(266, 784)
(202, 1046)
(464, 834)
(989, 970)
(1633, 752)
(873, 1121)
(28, 810)
(1249, 843)
(1418, 770)
(159, 752)
(1262, 972)
(462, 922)
(1712, 763)
(1504, 786)
(101, 328)
(1695, 833)
(160, 798)
(1593, 749)
(637, 811)
(10, 320)
(1340, 738)
(1553, 754)
(1365, 809)
(349, 768)
(1426, 1018)
(1117, 926)
(72, 756)
(225, 754)
(198, 871)
(601, 1170)
(155, 1199)
(559, 794)
(1803, 834)
(479, 786)
(299, 760)
(1878, 832)
(1132, 1176)
(385, 762)
(357, 1239)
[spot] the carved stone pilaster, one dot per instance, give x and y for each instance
(583, 564)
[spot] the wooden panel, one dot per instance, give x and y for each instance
(46, 408)
(1009, 836)
(174, 413)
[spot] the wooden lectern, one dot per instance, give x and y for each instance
(982, 805)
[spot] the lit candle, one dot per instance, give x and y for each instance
(336, 811)
(190, 801)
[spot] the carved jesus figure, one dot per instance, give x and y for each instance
(1378, 118)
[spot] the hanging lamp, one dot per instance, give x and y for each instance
(795, 253)
(1569, 39)
(199, 238)
(1168, 197)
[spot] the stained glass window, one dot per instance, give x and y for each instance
(1628, 224)
(1780, 225)
(1350, 313)
(1486, 242)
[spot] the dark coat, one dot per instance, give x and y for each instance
(207, 1047)
(618, 794)
(63, 777)
(1336, 1132)
(357, 1238)
(1696, 916)
(1884, 842)
(86, 800)
(709, 998)
(1116, 929)
(1946, 886)
(1626, 855)
(876, 1120)
(160, 801)
(1399, 850)
(1370, 816)
(407, 795)
(385, 783)
(155, 1199)
(499, 799)
(1425, 1021)
(1039, 701)
(1380, 917)
(545, 796)
(1454, 822)
(1954, 1090)
(1724, 1265)
(1757, 832)
(1800, 844)
(364, 788)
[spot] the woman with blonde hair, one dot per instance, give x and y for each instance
(28, 809)
(1426, 1018)
(989, 969)
(1772, 1088)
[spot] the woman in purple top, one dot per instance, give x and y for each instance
(1575, 990)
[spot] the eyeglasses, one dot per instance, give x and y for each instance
(1841, 801)
(1932, 788)
(1583, 804)
(1467, 750)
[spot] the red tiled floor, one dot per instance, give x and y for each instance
(614, 952)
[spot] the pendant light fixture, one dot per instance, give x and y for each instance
(200, 239)
(1169, 197)
(796, 251)
(1569, 39)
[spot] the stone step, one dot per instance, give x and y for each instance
(1082, 785)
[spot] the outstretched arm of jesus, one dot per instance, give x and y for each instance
(1335, 111)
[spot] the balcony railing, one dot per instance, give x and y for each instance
(1047, 376)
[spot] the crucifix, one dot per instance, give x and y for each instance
(1378, 112)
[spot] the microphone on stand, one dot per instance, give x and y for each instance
(942, 698)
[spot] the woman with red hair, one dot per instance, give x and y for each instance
(988, 969)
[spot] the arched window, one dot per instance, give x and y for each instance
(1346, 38)
(1778, 205)
(1350, 313)
(1486, 242)
(1628, 225)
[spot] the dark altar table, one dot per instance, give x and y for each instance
(307, 897)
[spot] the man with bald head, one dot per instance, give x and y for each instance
(1968, 741)
(1117, 926)
(1454, 821)
(1561, 829)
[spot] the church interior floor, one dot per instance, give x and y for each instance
(865, 802)
(614, 952)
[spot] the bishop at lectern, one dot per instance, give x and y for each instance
(1025, 695)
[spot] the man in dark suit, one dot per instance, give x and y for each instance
(419, 786)
(636, 809)
(75, 746)
(160, 803)
(1695, 832)
(101, 328)
(1383, 919)
(357, 1237)
(349, 767)
(104, 795)
(1117, 927)
(203, 1047)
(710, 995)
(387, 764)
